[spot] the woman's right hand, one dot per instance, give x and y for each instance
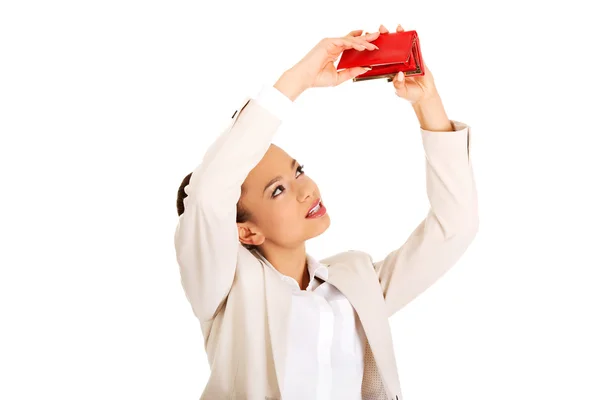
(316, 69)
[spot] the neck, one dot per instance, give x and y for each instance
(289, 261)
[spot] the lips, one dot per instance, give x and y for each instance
(313, 205)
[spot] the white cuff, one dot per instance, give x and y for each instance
(273, 100)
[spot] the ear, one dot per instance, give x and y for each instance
(248, 234)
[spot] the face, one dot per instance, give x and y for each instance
(279, 207)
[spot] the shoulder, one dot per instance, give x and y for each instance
(249, 265)
(349, 256)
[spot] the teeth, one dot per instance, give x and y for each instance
(315, 209)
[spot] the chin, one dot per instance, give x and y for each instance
(319, 225)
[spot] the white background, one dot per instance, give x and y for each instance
(106, 106)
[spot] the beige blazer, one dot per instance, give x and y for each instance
(243, 306)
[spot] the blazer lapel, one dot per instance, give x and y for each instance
(278, 299)
(365, 295)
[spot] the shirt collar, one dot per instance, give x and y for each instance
(315, 268)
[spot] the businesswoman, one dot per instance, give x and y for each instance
(278, 323)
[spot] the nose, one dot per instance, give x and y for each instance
(307, 192)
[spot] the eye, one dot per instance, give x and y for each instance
(300, 169)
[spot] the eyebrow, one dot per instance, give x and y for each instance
(277, 178)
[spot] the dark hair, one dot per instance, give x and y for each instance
(243, 215)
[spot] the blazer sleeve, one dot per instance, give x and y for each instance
(449, 227)
(206, 236)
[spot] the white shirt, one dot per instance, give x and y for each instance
(326, 341)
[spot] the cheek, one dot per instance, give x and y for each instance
(284, 217)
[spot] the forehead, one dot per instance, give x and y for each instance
(275, 162)
(273, 155)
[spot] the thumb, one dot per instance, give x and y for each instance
(351, 73)
(400, 85)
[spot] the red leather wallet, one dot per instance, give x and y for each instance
(398, 51)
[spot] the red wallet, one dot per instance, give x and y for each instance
(398, 51)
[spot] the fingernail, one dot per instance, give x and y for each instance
(368, 68)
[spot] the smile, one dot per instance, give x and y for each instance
(317, 210)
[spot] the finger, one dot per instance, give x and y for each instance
(399, 81)
(350, 73)
(344, 42)
(354, 42)
(399, 28)
(400, 86)
(371, 36)
(366, 46)
(363, 45)
(383, 29)
(364, 40)
(355, 33)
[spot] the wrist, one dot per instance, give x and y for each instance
(428, 99)
(431, 113)
(290, 84)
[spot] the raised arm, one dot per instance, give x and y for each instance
(449, 227)
(452, 222)
(206, 237)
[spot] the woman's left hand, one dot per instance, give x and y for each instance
(413, 89)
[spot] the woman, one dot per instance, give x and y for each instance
(277, 323)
